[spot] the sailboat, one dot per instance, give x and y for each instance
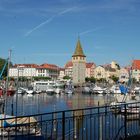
(13, 125)
(126, 97)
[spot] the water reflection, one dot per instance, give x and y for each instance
(43, 103)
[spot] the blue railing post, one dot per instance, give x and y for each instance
(63, 125)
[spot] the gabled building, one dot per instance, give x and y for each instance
(61, 73)
(99, 72)
(23, 70)
(68, 69)
(90, 66)
(111, 71)
(90, 69)
(107, 71)
(124, 75)
(48, 70)
(136, 69)
(33, 70)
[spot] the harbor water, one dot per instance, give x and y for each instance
(44, 103)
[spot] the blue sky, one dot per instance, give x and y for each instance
(46, 31)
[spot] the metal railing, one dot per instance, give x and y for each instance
(98, 123)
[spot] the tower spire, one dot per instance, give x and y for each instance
(78, 50)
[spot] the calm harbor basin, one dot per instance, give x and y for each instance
(44, 103)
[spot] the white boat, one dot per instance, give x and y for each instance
(59, 84)
(42, 86)
(98, 90)
(9, 123)
(122, 98)
(136, 89)
(86, 89)
(115, 89)
(20, 91)
(28, 91)
(38, 91)
(50, 90)
(29, 94)
(58, 90)
(69, 89)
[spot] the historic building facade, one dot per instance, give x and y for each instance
(23, 70)
(90, 69)
(33, 70)
(68, 69)
(136, 70)
(124, 75)
(79, 65)
(100, 72)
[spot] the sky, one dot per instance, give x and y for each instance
(46, 31)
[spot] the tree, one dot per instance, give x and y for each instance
(66, 77)
(87, 79)
(2, 63)
(118, 66)
(92, 80)
(114, 78)
(41, 78)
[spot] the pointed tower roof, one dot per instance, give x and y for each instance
(78, 50)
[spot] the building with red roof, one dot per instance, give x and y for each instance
(89, 69)
(34, 70)
(68, 68)
(136, 70)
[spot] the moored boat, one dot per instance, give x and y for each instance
(22, 125)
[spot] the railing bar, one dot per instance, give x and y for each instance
(114, 122)
(69, 129)
(82, 130)
(90, 125)
(95, 128)
(52, 126)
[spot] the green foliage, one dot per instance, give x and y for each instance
(41, 78)
(114, 78)
(118, 66)
(134, 81)
(66, 77)
(22, 79)
(2, 62)
(101, 80)
(87, 79)
(91, 79)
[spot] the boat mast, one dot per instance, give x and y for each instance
(7, 83)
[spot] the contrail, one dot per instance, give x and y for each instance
(49, 20)
(66, 11)
(40, 25)
(89, 31)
